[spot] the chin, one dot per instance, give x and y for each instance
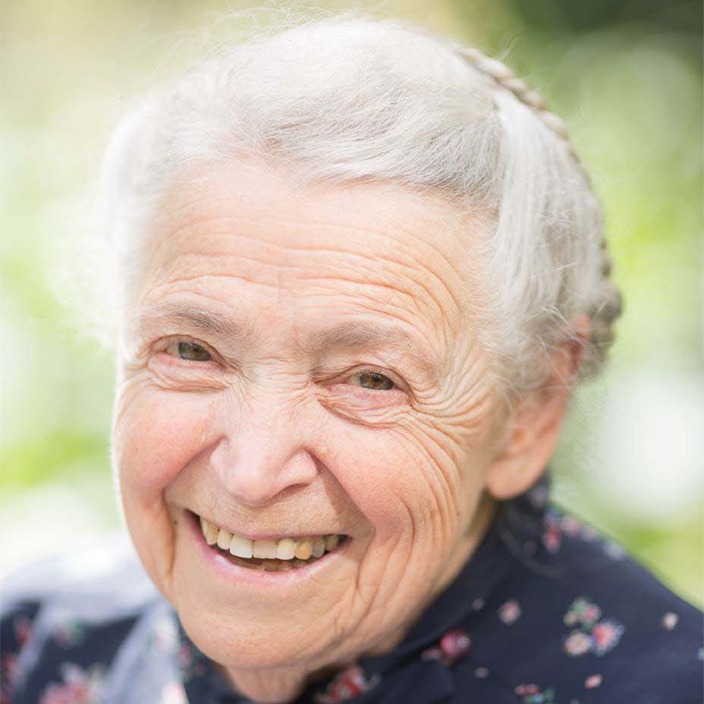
(250, 644)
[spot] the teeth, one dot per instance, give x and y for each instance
(224, 539)
(285, 549)
(265, 548)
(241, 547)
(210, 532)
(304, 549)
(319, 547)
(270, 555)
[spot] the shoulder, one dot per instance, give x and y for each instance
(576, 614)
(64, 619)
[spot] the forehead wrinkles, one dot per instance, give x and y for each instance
(415, 251)
(272, 251)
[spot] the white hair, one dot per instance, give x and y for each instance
(343, 99)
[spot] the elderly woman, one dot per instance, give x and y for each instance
(359, 269)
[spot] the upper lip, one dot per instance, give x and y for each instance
(268, 536)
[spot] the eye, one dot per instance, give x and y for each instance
(374, 381)
(188, 351)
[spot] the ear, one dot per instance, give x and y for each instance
(533, 426)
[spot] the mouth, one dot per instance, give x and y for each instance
(270, 555)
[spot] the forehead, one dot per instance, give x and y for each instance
(267, 251)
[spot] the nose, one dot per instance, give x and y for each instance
(262, 456)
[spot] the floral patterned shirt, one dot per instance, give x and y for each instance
(546, 611)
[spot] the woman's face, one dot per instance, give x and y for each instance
(303, 362)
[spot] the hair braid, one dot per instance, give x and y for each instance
(609, 305)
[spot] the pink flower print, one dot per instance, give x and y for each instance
(348, 684)
(9, 666)
(590, 614)
(478, 604)
(510, 612)
(571, 526)
(79, 686)
(23, 629)
(593, 635)
(9, 670)
(524, 689)
(593, 681)
(173, 693)
(532, 694)
(455, 643)
(669, 621)
(552, 539)
(452, 646)
(606, 635)
(577, 643)
(582, 611)
(481, 673)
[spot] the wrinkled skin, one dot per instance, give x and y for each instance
(266, 431)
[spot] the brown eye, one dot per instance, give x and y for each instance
(374, 381)
(191, 351)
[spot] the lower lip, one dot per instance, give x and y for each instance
(261, 578)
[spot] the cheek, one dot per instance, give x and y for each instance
(157, 434)
(405, 489)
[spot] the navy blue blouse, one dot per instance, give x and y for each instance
(546, 611)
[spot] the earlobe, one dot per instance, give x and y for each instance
(524, 461)
(535, 425)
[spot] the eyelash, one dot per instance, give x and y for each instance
(360, 372)
(180, 341)
(168, 350)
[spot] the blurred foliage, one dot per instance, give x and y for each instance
(626, 75)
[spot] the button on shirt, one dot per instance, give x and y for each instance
(546, 611)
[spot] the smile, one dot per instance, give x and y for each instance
(269, 554)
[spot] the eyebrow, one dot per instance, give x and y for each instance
(195, 318)
(349, 335)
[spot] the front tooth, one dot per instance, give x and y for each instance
(304, 549)
(319, 547)
(331, 542)
(241, 547)
(265, 549)
(285, 549)
(224, 539)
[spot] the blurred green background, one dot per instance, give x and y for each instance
(626, 75)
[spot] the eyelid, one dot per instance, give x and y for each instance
(167, 342)
(393, 378)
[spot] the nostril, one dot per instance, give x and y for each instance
(262, 464)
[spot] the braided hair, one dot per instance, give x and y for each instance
(608, 307)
